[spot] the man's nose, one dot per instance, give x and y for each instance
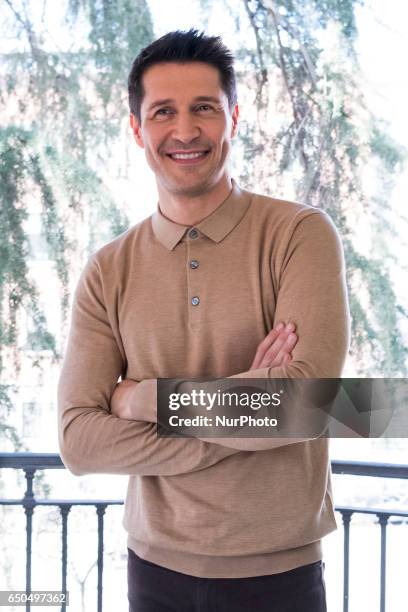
(186, 128)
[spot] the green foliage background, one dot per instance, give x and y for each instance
(62, 117)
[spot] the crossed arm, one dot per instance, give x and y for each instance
(313, 296)
(274, 351)
(138, 401)
(92, 439)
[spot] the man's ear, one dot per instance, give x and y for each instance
(136, 129)
(235, 116)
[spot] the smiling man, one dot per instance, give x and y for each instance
(214, 284)
(189, 161)
(187, 137)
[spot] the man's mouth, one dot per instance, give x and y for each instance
(188, 157)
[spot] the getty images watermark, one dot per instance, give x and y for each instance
(297, 408)
(200, 398)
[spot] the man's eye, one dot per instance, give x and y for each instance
(204, 107)
(162, 112)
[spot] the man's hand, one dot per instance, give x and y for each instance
(275, 349)
(121, 400)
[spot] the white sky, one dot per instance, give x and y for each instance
(383, 48)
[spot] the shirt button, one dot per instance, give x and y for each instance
(194, 264)
(195, 301)
(193, 233)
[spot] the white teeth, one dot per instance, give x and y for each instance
(186, 155)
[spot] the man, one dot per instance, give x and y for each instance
(198, 290)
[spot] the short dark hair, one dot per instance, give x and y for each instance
(181, 47)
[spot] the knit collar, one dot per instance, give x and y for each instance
(216, 226)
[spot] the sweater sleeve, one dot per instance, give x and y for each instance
(92, 440)
(310, 271)
(313, 294)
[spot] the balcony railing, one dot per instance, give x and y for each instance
(382, 470)
(30, 462)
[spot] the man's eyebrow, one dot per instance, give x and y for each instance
(160, 103)
(207, 99)
(165, 101)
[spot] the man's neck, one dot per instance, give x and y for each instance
(190, 210)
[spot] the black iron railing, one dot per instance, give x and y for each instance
(30, 462)
(380, 470)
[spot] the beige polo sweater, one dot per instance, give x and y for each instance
(193, 506)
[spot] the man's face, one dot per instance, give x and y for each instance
(186, 126)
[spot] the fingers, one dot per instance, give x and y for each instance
(276, 347)
(281, 345)
(265, 345)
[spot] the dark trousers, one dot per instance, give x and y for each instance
(152, 588)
